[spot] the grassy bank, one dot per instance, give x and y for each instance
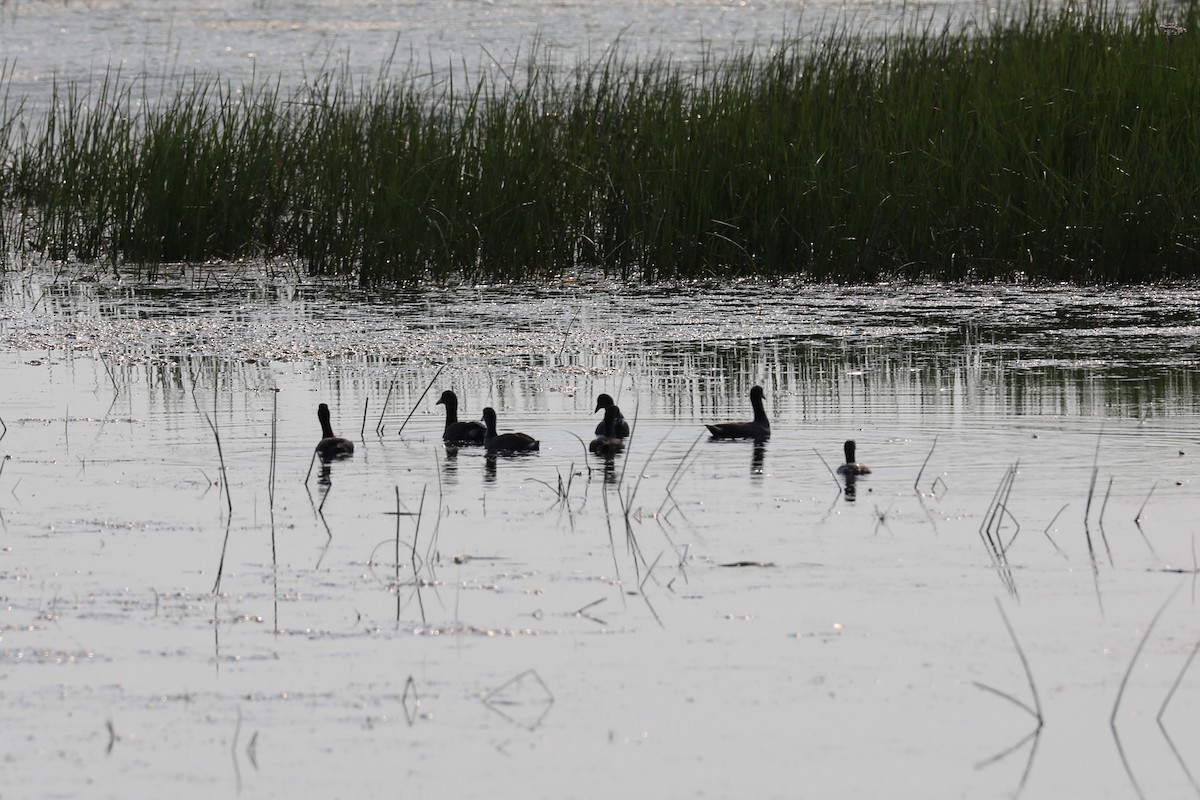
(1055, 144)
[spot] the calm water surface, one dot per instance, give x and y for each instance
(695, 618)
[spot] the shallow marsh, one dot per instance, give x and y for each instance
(745, 630)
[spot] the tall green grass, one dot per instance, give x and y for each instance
(1061, 144)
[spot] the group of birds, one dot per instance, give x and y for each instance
(610, 433)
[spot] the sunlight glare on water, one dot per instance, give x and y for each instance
(631, 624)
(167, 43)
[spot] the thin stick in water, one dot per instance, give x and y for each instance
(1050, 525)
(1191, 657)
(311, 462)
(568, 331)
(212, 424)
(419, 399)
(1112, 720)
(274, 445)
(921, 472)
(1138, 518)
(397, 554)
(386, 400)
(416, 534)
(1100, 523)
(1024, 663)
(677, 475)
(832, 474)
(221, 564)
(1087, 509)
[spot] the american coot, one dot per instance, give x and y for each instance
(512, 442)
(758, 428)
(852, 467)
(620, 426)
(462, 432)
(608, 442)
(330, 446)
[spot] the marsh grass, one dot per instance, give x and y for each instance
(1043, 142)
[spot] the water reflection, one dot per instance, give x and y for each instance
(611, 477)
(824, 383)
(450, 464)
(850, 487)
(492, 458)
(924, 350)
(756, 460)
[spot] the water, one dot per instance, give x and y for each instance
(694, 618)
(745, 629)
(162, 44)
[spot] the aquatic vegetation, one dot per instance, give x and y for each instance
(1043, 142)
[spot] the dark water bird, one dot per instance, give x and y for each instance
(463, 432)
(620, 426)
(758, 428)
(331, 446)
(510, 442)
(852, 468)
(608, 442)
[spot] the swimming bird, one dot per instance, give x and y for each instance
(620, 426)
(512, 442)
(330, 446)
(464, 432)
(608, 442)
(758, 428)
(852, 468)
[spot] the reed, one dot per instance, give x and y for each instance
(1042, 141)
(1137, 652)
(428, 386)
(416, 569)
(274, 449)
(1036, 709)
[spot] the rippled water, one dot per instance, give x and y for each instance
(163, 43)
(693, 618)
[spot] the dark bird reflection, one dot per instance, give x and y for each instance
(756, 460)
(851, 488)
(489, 468)
(610, 470)
(450, 463)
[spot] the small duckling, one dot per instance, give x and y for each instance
(852, 468)
(511, 442)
